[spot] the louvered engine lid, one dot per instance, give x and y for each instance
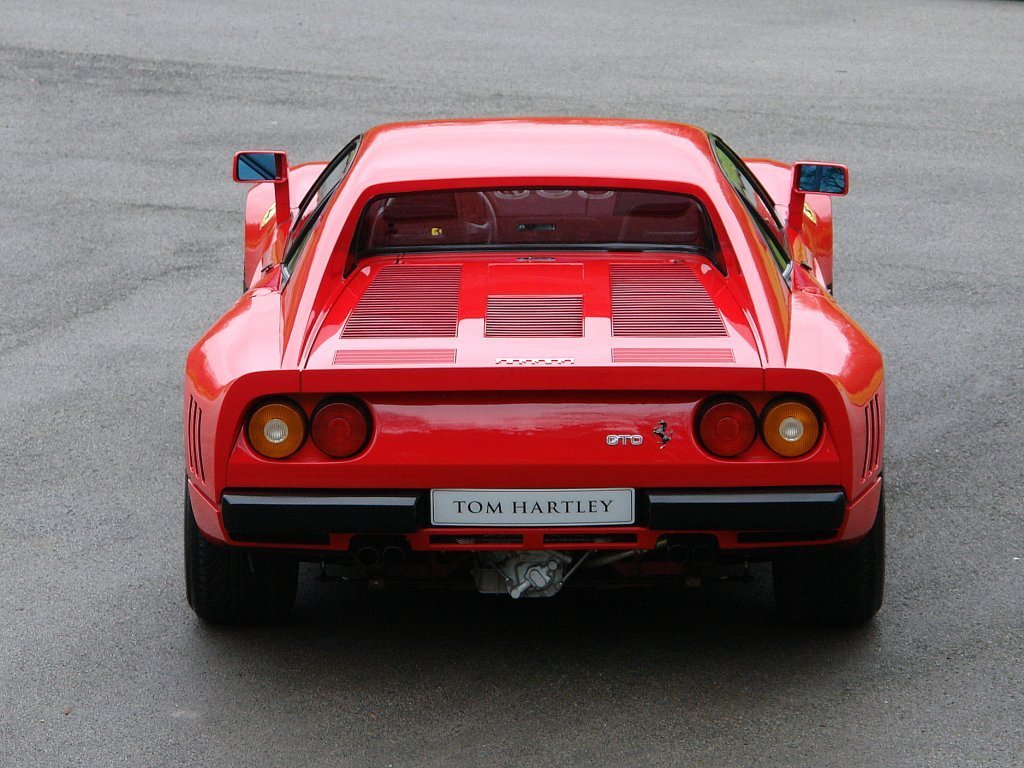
(408, 301)
(665, 300)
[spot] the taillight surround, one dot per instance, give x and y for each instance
(312, 435)
(784, 426)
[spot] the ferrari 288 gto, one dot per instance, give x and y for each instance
(518, 354)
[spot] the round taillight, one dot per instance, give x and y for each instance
(790, 427)
(340, 429)
(727, 427)
(277, 430)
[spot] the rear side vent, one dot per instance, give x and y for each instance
(872, 436)
(408, 302)
(534, 316)
(662, 300)
(194, 435)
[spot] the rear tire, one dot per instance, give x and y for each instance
(838, 586)
(226, 585)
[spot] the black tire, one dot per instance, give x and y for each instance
(838, 586)
(236, 586)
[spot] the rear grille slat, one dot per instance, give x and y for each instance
(394, 357)
(662, 300)
(642, 355)
(408, 302)
(536, 316)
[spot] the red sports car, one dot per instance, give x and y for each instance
(522, 353)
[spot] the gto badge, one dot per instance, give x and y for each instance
(624, 439)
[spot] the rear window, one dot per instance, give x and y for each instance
(525, 219)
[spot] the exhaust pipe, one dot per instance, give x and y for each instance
(678, 553)
(703, 555)
(392, 554)
(368, 556)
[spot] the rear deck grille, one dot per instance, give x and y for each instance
(662, 300)
(536, 316)
(408, 302)
(394, 357)
(640, 355)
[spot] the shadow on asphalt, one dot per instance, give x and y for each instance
(681, 630)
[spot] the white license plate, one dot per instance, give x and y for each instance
(573, 506)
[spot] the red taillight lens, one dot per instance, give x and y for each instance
(340, 429)
(727, 427)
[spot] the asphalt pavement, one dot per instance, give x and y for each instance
(121, 242)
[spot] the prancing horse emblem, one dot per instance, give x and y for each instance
(663, 432)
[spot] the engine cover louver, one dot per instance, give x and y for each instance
(394, 357)
(536, 316)
(641, 355)
(408, 302)
(662, 300)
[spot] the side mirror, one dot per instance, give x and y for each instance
(254, 167)
(814, 179)
(821, 178)
(267, 166)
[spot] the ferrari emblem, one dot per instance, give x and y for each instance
(268, 215)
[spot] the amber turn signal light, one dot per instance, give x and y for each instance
(340, 428)
(277, 430)
(790, 427)
(727, 427)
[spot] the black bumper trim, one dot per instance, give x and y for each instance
(767, 510)
(310, 519)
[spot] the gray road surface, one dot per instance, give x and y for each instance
(121, 236)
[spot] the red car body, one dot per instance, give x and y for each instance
(507, 368)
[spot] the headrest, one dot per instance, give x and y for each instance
(424, 205)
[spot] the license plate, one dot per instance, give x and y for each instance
(574, 506)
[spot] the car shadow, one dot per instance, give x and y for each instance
(397, 631)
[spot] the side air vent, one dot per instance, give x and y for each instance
(662, 300)
(534, 316)
(641, 355)
(194, 433)
(394, 357)
(408, 302)
(872, 436)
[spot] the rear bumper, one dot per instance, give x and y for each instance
(740, 519)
